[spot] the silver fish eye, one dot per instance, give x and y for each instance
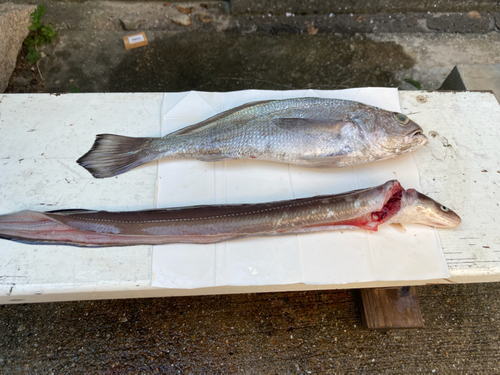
(444, 208)
(402, 119)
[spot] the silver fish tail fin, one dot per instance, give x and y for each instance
(112, 155)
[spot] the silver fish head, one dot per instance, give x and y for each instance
(392, 133)
(417, 208)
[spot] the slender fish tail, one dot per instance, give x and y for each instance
(29, 226)
(112, 155)
(34, 227)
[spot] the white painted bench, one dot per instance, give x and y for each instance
(40, 135)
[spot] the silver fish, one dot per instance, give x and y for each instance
(310, 132)
(364, 209)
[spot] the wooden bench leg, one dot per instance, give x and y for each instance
(388, 308)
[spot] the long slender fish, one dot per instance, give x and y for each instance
(364, 208)
(310, 132)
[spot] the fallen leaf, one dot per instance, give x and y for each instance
(205, 18)
(311, 30)
(204, 6)
(182, 19)
(473, 14)
(167, 4)
(185, 10)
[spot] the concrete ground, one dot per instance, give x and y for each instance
(225, 52)
(306, 332)
(301, 332)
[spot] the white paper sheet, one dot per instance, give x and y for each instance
(326, 258)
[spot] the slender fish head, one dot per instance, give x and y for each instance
(417, 208)
(389, 133)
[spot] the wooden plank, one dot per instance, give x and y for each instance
(390, 308)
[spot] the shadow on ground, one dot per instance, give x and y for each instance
(258, 62)
(225, 62)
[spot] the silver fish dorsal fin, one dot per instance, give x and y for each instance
(198, 126)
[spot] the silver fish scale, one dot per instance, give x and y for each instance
(310, 132)
(251, 134)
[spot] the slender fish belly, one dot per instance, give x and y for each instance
(364, 208)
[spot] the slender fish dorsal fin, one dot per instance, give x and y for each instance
(200, 125)
(71, 211)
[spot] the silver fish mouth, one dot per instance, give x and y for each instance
(416, 136)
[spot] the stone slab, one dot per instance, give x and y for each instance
(14, 28)
(245, 7)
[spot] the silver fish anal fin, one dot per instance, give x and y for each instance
(329, 161)
(313, 125)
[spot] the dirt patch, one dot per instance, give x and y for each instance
(26, 77)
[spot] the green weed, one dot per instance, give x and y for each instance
(41, 34)
(414, 83)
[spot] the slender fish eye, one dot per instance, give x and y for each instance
(402, 119)
(444, 208)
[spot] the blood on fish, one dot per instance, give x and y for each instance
(372, 220)
(390, 208)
